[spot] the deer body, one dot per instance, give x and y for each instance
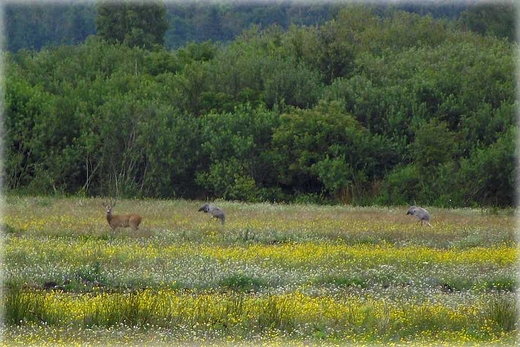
(123, 221)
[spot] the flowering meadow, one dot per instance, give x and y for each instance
(274, 274)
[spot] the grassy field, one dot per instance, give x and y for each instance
(272, 275)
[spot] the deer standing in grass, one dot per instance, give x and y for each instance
(123, 221)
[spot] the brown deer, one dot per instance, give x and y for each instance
(124, 221)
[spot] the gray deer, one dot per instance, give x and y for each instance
(215, 212)
(422, 215)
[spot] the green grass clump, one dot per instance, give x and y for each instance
(241, 283)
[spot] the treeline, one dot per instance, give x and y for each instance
(36, 25)
(362, 109)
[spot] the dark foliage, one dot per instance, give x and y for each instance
(35, 26)
(366, 108)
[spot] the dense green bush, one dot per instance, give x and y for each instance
(385, 110)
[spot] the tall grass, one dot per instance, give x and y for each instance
(272, 274)
(294, 314)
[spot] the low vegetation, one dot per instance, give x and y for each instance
(274, 274)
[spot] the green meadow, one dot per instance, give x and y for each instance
(274, 274)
